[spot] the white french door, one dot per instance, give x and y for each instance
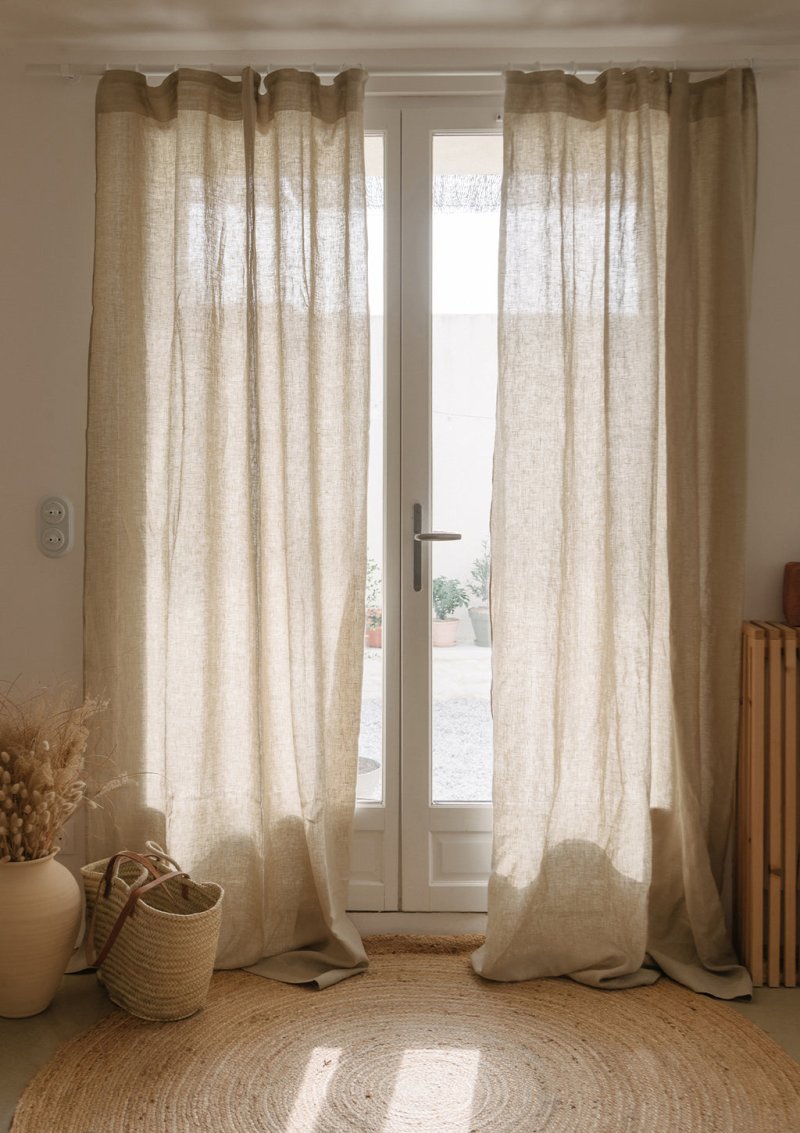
(422, 829)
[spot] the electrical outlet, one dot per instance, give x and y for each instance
(55, 526)
(53, 510)
(53, 540)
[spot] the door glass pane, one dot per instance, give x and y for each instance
(370, 748)
(467, 170)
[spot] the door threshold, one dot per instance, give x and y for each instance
(432, 924)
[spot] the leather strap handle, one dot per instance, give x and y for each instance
(148, 861)
(128, 909)
(117, 860)
(158, 854)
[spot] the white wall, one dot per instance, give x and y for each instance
(46, 235)
(46, 207)
(773, 520)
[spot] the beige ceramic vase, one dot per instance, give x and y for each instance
(41, 905)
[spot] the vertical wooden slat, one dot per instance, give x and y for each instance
(740, 918)
(774, 800)
(768, 804)
(790, 808)
(755, 817)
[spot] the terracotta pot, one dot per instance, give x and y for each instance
(443, 631)
(375, 637)
(42, 904)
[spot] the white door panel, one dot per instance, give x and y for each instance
(424, 843)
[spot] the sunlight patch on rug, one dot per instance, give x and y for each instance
(427, 1078)
(310, 1101)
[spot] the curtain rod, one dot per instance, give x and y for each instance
(75, 71)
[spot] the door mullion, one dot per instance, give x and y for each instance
(416, 490)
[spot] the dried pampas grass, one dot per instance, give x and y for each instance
(42, 747)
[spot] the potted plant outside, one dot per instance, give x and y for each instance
(478, 585)
(374, 613)
(448, 595)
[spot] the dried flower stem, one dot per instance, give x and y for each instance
(42, 749)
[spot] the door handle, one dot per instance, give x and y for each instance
(421, 537)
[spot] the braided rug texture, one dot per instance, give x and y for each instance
(420, 1043)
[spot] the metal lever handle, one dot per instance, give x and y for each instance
(421, 537)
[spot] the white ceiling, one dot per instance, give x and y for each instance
(75, 25)
(384, 23)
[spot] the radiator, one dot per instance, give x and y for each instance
(766, 847)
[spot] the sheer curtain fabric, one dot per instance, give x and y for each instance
(227, 456)
(616, 526)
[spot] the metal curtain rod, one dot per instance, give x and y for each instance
(74, 71)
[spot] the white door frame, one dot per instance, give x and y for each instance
(408, 854)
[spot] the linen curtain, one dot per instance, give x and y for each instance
(226, 493)
(616, 527)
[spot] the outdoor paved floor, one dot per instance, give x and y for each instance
(462, 723)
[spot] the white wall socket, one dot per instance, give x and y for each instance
(55, 525)
(53, 510)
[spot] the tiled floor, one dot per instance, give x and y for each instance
(27, 1044)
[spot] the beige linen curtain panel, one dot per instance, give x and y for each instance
(616, 527)
(227, 456)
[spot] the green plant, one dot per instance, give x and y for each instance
(448, 595)
(479, 575)
(373, 594)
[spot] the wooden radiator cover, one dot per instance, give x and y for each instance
(766, 848)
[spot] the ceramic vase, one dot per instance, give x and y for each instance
(41, 906)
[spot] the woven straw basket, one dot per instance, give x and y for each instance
(154, 933)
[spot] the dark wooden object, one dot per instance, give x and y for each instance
(791, 594)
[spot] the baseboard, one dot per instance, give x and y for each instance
(434, 924)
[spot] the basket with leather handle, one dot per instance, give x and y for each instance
(151, 932)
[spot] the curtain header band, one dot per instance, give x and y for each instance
(190, 89)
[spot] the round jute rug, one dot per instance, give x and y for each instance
(420, 1043)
